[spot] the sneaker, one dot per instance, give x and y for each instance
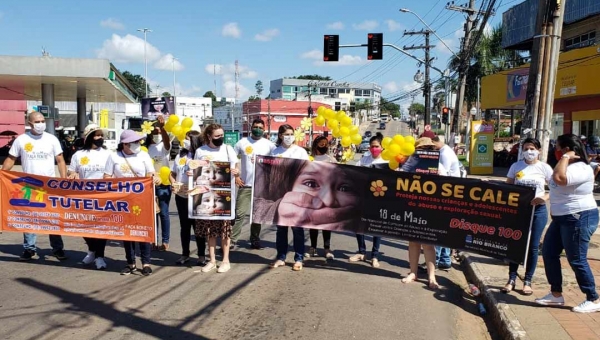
(89, 258)
(587, 307)
(182, 260)
(329, 254)
(29, 255)
(312, 252)
(209, 266)
(224, 268)
(60, 254)
(100, 263)
(128, 270)
(146, 270)
(551, 300)
(257, 245)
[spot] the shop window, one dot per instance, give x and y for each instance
(366, 93)
(323, 91)
(358, 93)
(583, 40)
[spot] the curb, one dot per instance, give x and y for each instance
(503, 318)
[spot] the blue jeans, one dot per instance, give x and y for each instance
(571, 233)
(281, 242)
(362, 247)
(163, 192)
(29, 240)
(145, 249)
(540, 218)
(442, 256)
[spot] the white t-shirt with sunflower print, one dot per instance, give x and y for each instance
(224, 153)
(531, 175)
(136, 165)
(89, 164)
(247, 149)
(37, 153)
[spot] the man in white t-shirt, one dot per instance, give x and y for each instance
(247, 149)
(38, 150)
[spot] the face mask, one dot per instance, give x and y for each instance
(531, 155)
(39, 128)
(157, 138)
(218, 141)
(375, 151)
(288, 140)
(256, 132)
(135, 147)
(186, 144)
(98, 142)
(322, 150)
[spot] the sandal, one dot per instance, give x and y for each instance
(375, 263)
(163, 247)
(510, 285)
(297, 266)
(277, 263)
(527, 288)
(356, 258)
(209, 267)
(409, 278)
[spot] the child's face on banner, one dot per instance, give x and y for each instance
(327, 182)
(207, 173)
(219, 174)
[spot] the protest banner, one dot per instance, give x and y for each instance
(152, 107)
(114, 209)
(488, 218)
(212, 192)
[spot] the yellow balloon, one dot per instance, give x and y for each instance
(409, 140)
(168, 126)
(407, 149)
(346, 121)
(329, 114)
(346, 141)
(185, 131)
(321, 110)
(398, 139)
(344, 131)
(356, 139)
(386, 142)
(173, 119)
(187, 123)
(353, 130)
(164, 173)
(176, 130)
(143, 148)
(340, 115)
(320, 120)
(332, 123)
(386, 155)
(336, 132)
(394, 149)
(393, 164)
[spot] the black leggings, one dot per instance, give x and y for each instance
(314, 235)
(96, 245)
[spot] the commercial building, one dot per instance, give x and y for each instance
(577, 91)
(197, 108)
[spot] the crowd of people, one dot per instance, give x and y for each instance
(573, 209)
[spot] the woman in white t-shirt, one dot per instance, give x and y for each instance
(89, 163)
(180, 187)
(574, 220)
(129, 162)
(530, 172)
(214, 149)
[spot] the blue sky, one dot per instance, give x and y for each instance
(270, 39)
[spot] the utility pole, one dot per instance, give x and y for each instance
(428, 60)
(145, 31)
(174, 94)
(269, 115)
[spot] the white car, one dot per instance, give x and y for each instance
(375, 119)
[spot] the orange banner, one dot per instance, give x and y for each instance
(114, 209)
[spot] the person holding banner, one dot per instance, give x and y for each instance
(373, 160)
(129, 162)
(89, 163)
(159, 147)
(215, 150)
(320, 153)
(531, 172)
(38, 150)
(179, 182)
(574, 220)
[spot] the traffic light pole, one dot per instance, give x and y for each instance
(427, 84)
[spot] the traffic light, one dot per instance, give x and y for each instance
(375, 46)
(445, 114)
(331, 47)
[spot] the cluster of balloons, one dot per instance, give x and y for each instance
(340, 125)
(397, 149)
(164, 173)
(178, 130)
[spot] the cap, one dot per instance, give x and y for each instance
(91, 128)
(130, 136)
(423, 141)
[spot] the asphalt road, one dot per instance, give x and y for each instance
(48, 299)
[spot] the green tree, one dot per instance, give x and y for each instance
(166, 94)
(312, 77)
(138, 82)
(210, 94)
(253, 98)
(259, 88)
(392, 108)
(416, 108)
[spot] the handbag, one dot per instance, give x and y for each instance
(156, 205)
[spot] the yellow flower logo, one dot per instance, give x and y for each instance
(378, 189)
(147, 127)
(228, 198)
(227, 170)
(208, 157)
(84, 161)
(28, 147)
(299, 135)
(311, 158)
(306, 123)
(124, 168)
(249, 150)
(137, 210)
(519, 174)
(182, 161)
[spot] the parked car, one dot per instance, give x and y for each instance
(375, 119)
(396, 118)
(382, 126)
(363, 147)
(368, 134)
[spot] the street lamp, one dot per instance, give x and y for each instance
(146, 31)
(174, 94)
(406, 10)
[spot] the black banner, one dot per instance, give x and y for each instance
(489, 218)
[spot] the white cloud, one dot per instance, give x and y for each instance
(112, 23)
(391, 86)
(267, 35)
(227, 73)
(338, 25)
(231, 30)
(314, 54)
(179, 89)
(393, 25)
(366, 25)
(344, 60)
(452, 42)
(166, 63)
(229, 90)
(127, 49)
